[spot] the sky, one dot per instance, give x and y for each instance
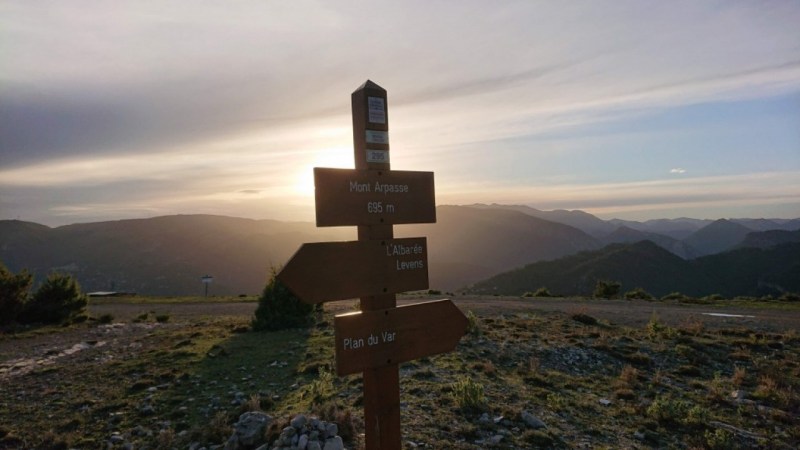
(624, 109)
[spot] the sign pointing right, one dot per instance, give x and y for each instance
(373, 339)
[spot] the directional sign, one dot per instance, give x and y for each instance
(373, 197)
(324, 271)
(373, 339)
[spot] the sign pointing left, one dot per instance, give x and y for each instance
(324, 271)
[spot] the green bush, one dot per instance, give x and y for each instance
(14, 291)
(58, 300)
(675, 296)
(279, 309)
(468, 395)
(606, 289)
(638, 294)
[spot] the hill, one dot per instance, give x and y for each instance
(160, 256)
(717, 236)
(766, 239)
(468, 244)
(623, 234)
(168, 255)
(745, 272)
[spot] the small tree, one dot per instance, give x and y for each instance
(279, 309)
(14, 290)
(59, 299)
(606, 289)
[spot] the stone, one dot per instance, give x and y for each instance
(334, 443)
(302, 443)
(532, 421)
(313, 445)
(604, 401)
(331, 430)
(249, 430)
(299, 421)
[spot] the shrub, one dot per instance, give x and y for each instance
(105, 318)
(162, 318)
(58, 300)
(638, 294)
(468, 395)
(606, 289)
(675, 296)
(541, 292)
(789, 297)
(279, 309)
(14, 291)
(473, 324)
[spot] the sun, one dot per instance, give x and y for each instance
(337, 157)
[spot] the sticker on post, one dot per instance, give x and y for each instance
(378, 156)
(377, 137)
(376, 110)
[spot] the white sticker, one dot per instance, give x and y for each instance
(377, 137)
(378, 156)
(376, 108)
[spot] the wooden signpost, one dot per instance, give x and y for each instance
(375, 268)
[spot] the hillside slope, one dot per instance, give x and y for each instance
(162, 255)
(468, 244)
(749, 271)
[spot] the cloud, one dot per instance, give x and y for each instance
(227, 104)
(677, 170)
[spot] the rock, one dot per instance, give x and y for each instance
(331, 430)
(249, 430)
(495, 440)
(299, 421)
(605, 401)
(313, 445)
(116, 438)
(738, 395)
(334, 443)
(302, 443)
(532, 421)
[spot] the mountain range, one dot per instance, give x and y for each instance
(168, 255)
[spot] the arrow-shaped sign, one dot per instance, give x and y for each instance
(324, 271)
(373, 339)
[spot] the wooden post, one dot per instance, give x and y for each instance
(374, 198)
(371, 151)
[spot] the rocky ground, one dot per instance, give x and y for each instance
(533, 373)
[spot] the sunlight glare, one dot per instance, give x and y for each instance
(336, 157)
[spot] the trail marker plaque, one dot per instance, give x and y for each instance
(373, 197)
(375, 268)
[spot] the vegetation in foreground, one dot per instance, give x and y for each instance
(167, 384)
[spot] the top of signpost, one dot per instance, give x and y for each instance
(371, 85)
(370, 127)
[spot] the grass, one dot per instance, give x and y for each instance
(608, 386)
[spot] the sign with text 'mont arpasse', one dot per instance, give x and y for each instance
(371, 197)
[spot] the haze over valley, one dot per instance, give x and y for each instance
(468, 244)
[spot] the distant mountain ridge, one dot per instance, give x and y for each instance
(685, 237)
(168, 255)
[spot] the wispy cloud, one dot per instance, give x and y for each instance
(222, 105)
